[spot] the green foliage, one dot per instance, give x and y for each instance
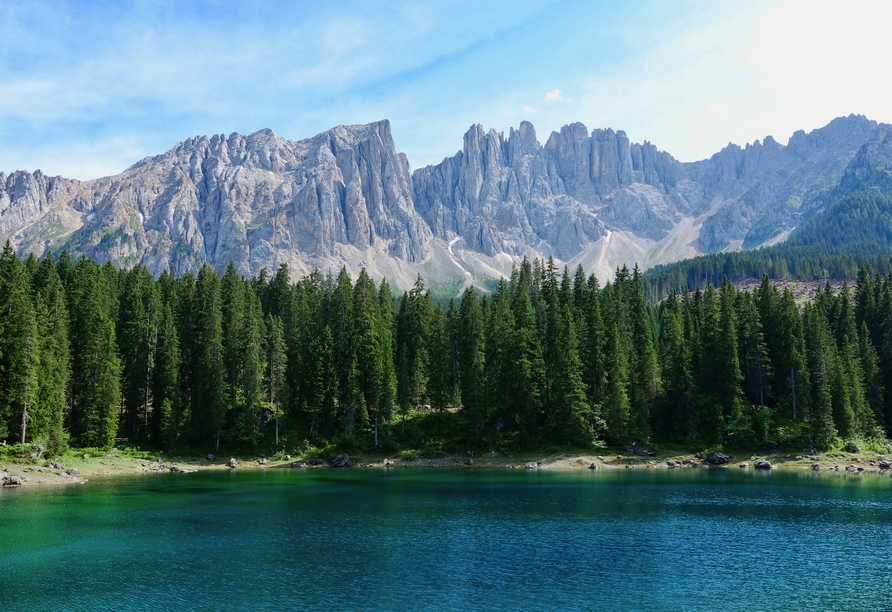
(330, 364)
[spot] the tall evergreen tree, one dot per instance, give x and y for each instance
(209, 403)
(96, 365)
(19, 347)
(54, 367)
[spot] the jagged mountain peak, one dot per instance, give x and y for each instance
(346, 197)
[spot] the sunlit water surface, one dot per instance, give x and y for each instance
(451, 540)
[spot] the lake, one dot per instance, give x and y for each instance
(407, 539)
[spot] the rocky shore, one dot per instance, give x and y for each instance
(81, 469)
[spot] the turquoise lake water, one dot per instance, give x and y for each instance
(451, 540)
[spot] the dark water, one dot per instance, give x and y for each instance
(451, 540)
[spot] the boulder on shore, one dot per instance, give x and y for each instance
(851, 447)
(339, 461)
(211, 457)
(56, 465)
(744, 465)
(232, 462)
(532, 465)
(762, 464)
(14, 480)
(73, 472)
(717, 459)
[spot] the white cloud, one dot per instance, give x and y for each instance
(554, 95)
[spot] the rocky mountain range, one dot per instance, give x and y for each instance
(346, 197)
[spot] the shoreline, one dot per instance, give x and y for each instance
(42, 474)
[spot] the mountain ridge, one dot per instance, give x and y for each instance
(346, 197)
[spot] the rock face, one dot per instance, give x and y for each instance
(257, 200)
(347, 197)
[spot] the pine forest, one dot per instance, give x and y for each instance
(91, 356)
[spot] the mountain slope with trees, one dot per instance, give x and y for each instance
(852, 231)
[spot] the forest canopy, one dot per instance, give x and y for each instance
(90, 354)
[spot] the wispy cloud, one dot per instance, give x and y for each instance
(89, 88)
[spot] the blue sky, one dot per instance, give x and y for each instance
(88, 88)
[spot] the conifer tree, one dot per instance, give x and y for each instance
(209, 403)
(644, 379)
(137, 332)
(19, 347)
(821, 363)
(54, 368)
(96, 365)
(386, 333)
(276, 362)
(165, 381)
(472, 356)
(677, 411)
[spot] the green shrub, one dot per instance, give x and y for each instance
(407, 454)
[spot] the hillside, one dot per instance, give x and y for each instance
(854, 230)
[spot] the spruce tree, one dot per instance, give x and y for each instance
(54, 368)
(471, 356)
(19, 347)
(209, 403)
